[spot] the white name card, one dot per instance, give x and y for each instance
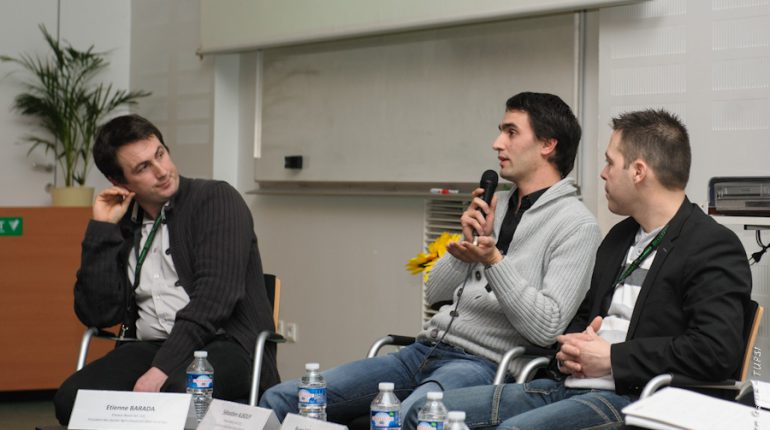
(224, 415)
(298, 422)
(119, 410)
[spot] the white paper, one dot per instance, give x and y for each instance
(119, 410)
(761, 393)
(297, 422)
(675, 408)
(649, 424)
(224, 415)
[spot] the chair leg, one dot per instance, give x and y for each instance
(84, 343)
(259, 352)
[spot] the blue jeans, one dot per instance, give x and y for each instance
(542, 404)
(351, 387)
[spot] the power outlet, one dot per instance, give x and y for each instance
(291, 332)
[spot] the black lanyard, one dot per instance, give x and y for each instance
(140, 261)
(645, 252)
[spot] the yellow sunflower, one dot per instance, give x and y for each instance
(424, 261)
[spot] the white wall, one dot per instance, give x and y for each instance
(104, 24)
(706, 61)
(164, 37)
(342, 264)
(341, 259)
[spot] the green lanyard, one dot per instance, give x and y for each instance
(140, 261)
(146, 247)
(645, 252)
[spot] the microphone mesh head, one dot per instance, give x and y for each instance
(488, 179)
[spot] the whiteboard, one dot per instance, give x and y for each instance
(420, 107)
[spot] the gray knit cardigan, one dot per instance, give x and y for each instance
(535, 290)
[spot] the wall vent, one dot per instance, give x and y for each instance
(441, 214)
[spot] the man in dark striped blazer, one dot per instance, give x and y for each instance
(174, 261)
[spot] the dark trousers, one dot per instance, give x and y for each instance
(121, 367)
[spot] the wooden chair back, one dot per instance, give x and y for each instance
(751, 330)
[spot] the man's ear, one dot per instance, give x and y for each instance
(639, 170)
(549, 147)
(117, 183)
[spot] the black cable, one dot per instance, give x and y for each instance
(755, 257)
(453, 314)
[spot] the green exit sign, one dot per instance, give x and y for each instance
(11, 226)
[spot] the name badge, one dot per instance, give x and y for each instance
(298, 422)
(224, 415)
(119, 410)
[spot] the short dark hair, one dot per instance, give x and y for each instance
(551, 118)
(115, 133)
(661, 140)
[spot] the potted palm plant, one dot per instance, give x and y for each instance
(68, 105)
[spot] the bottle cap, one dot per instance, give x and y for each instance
(435, 395)
(199, 354)
(388, 386)
(312, 366)
(456, 415)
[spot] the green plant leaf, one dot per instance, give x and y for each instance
(61, 94)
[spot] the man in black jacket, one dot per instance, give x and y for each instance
(669, 292)
(175, 262)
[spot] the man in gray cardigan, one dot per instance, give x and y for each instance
(175, 262)
(522, 269)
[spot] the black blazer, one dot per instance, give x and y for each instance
(688, 318)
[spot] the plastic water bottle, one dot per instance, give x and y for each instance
(311, 393)
(455, 420)
(385, 409)
(433, 413)
(200, 383)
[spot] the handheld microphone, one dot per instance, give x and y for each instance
(489, 184)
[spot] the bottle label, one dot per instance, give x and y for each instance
(199, 381)
(312, 396)
(430, 425)
(385, 420)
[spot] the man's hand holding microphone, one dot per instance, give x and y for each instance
(478, 245)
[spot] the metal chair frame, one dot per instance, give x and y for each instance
(272, 284)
